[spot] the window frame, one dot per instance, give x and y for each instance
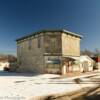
(30, 44)
(39, 41)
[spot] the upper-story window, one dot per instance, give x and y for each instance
(18, 46)
(29, 44)
(53, 44)
(18, 49)
(39, 42)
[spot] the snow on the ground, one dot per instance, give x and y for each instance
(16, 86)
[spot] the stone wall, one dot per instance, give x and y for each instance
(70, 45)
(31, 58)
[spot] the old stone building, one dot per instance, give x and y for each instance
(45, 51)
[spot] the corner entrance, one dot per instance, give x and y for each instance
(67, 65)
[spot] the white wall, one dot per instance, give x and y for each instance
(3, 64)
(89, 60)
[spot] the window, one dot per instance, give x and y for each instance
(39, 42)
(29, 44)
(53, 44)
(53, 63)
(18, 47)
(19, 51)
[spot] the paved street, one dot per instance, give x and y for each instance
(18, 86)
(85, 93)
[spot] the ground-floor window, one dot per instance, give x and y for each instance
(53, 66)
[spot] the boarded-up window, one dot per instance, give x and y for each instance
(53, 64)
(29, 44)
(39, 42)
(19, 48)
(53, 44)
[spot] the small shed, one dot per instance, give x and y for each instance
(86, 63)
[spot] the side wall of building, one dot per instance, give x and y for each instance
(70, 45)
(30, 54)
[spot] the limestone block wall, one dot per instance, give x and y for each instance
(31, 58)
(70, 45)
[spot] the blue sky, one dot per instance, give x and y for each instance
(21, 17)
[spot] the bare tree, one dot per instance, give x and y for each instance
(97, 52)
(87, 52)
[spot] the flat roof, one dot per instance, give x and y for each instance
(44, 31)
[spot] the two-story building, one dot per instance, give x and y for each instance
(47, 51)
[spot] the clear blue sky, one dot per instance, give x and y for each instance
(20, 17)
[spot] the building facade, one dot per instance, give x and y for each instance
(44, 51)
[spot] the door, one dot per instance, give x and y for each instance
(85, 66)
